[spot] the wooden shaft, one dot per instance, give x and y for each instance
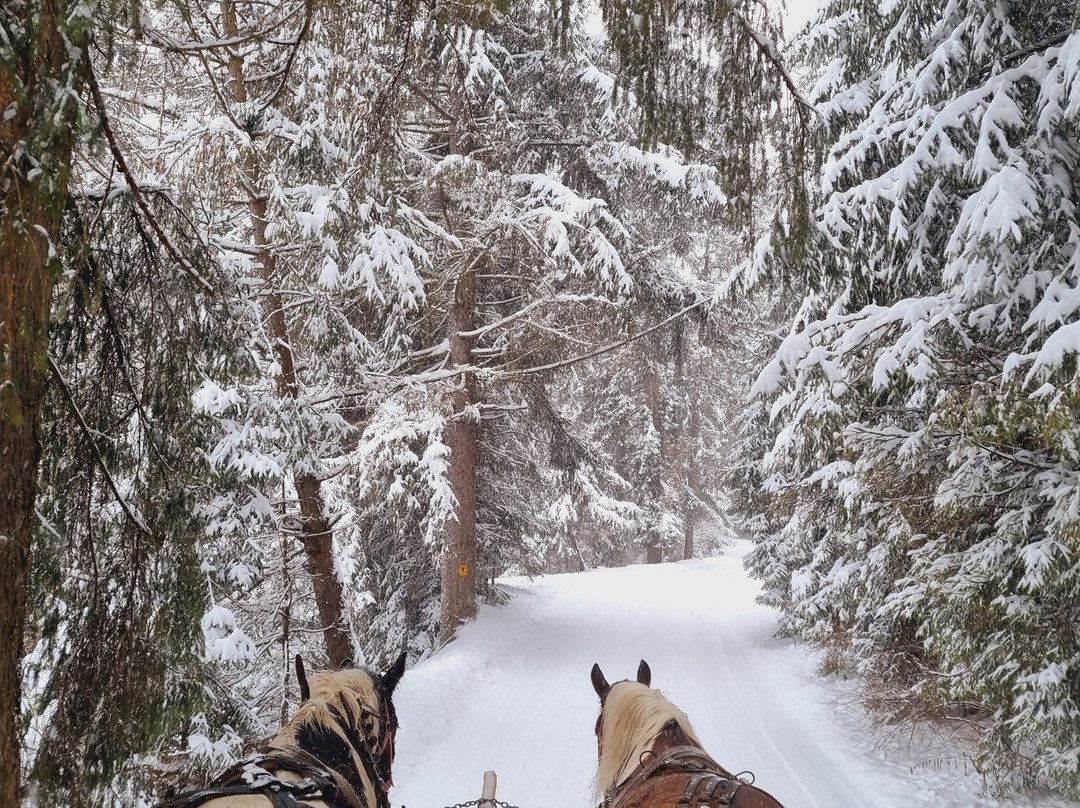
(487, 794)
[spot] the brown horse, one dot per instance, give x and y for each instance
(336, 752)
(649, 757)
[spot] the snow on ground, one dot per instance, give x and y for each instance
(513, 694)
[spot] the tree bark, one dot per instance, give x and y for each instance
(31, 214)
(26, 285)
(316, 533)
(651, 385)
(688, 539)
(318, 539)
(693, 478)
(459, 558)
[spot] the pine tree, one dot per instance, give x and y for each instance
(326, 274)
(36, 142)
(924, 470)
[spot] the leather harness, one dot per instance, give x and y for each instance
(256, 775)
(710, 784)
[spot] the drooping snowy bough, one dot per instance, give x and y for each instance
(924, 477)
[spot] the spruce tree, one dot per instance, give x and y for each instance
(924, 475)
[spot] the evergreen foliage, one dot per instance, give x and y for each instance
(923, 481)
(329, 174)
(707, 78)
(116, 589)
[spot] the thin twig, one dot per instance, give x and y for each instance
(134, 517)
(611, 347)
(136, 192)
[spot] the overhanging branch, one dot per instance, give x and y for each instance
(610, 347)
(136, 192)
(96, 451)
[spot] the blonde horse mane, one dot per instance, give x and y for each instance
(633, 716)
(350, 691)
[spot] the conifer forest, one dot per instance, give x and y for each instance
(319, 316)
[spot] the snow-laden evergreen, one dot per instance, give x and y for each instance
(325, 264)
(401, 224)
(924, 484)
(349, 201)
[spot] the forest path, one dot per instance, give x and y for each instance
(513, 694)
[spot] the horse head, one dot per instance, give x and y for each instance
(601, 686)
(386, 685)
(632, 714)
(648, 754)
(347, 720)
(337, 750)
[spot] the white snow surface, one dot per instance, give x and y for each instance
(512, 694)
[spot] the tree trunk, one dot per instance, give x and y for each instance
(316, 534)
(31, 213)
(26, 284)
(651, 384)
(459, 558)
(318, 539)
(693, 478)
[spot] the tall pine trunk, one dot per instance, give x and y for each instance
(651, 384)
(26, 283)
(459, 558)
(316, 533)
(691, 495)
(31, 214)
(458, 597)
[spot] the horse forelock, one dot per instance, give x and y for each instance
(351, 693)
(633, 715)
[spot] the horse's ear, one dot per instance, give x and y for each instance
(301, 678)
(599, 683)
(391, 678)
(644, 675)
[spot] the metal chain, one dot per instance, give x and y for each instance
(479, 802)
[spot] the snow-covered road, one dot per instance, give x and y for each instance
(513, 694)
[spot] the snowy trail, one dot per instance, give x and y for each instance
(513, 694)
